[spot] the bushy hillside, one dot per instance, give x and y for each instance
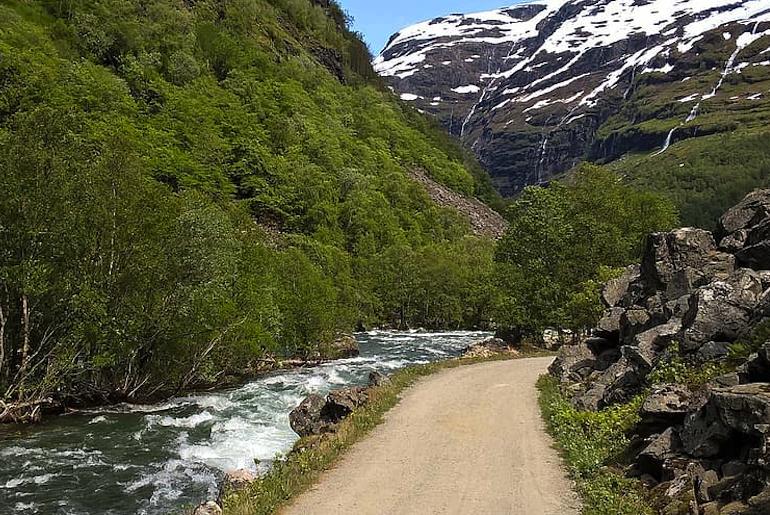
(189, 185)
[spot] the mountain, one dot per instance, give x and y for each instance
(535, 88)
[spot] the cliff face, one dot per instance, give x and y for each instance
(535, 88)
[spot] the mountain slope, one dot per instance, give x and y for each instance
(535, 88)
(188, 186)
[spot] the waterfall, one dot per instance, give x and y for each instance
(667, 143)
(728, 69)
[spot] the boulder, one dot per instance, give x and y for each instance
(655, 458)
(308, 418)
(756, 369)
(619, 383)
(722, 310)
(609, 325)
(647, 345)
(635, 321)
(235, 481)
(573, 363)
(378, 379)
(667, 403)
(208, 508)
(343, 347)
(744, 408)
(341, 403)
(728, 414)
(617, 289)
(488, 348)
(760, 503)
(703, 434)
(749, 212)
(677, 262)
(713, 351)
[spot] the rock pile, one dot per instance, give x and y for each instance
(691, 297)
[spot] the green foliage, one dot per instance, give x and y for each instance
(743, 348)
(674, 369)
(561, 241)
(591, 443)
(188, 186)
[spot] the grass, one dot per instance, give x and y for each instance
(311, 456)
(592, 445)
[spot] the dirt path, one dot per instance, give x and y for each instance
(468, 440)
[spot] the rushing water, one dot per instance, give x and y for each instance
(158, 459)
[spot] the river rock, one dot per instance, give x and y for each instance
(488, 348)
(343, 347)
(235, 481)
(341, 403)
(378, 379)
(208, 508)
(308, 418)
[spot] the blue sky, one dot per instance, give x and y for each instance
(378, 19)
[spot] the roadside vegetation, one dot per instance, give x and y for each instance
(592, 444)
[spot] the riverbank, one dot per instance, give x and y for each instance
(33, 410)
(158, 459)
(313, 455)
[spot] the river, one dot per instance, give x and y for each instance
(157, 459)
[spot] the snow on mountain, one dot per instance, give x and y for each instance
(513, 81)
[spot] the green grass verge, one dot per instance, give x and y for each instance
(311, 456)
(591, 445)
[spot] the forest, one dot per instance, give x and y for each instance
(190, 187)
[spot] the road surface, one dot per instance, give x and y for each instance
(467, 440)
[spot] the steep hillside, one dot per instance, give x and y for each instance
(535, 88)
(188, 186)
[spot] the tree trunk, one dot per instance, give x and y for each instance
(25, 330)
(2, 341)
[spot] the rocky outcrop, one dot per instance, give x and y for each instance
(709, 447)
